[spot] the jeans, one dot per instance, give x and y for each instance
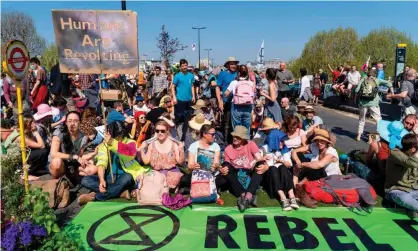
(122, 182)
(404, 199)
(241, 115)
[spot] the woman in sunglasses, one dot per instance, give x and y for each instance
(141, 129)
(164, 153)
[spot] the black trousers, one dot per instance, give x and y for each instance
(309, 173)
(276, 179)
(38, 159)
(182, 115)
(227, 122)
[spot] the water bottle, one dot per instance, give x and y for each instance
(347, 165)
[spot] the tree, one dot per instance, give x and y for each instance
(20, 26)
(168, 46)
(50, 56)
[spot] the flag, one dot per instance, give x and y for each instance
(193, 47)
(260, 56)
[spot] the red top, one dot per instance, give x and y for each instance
(335, 75)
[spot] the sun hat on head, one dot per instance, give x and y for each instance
(302, 104)
(268, 124)
(198, 121)
(43, 111)
(199, 104)
(309, 108)
(322, 134)
(229, 60)
(392, 132)
(241, 132)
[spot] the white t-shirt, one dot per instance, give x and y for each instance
(333, 167)
(353, 78)
(304, 83)
(144, 108)
(232, 86)
(193, 148)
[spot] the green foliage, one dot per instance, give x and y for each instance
(50, 56)
(61, 241)
(343, 46)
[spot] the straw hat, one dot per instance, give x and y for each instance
(309, 109)
(241, 132)
(198, 121)
(322, 134)
(229, 60)
(268, 124)
(302, 104)
(43, 111)
(199, 104)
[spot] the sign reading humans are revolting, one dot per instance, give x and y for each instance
(96, 41)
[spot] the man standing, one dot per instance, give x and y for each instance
(380, 71)
(353, 78)
(39, 91)
(224, 79)
(407, 91)
(183, 95)
(323, 77)
(369, 98)
(284, 78)
(159, 83)
(88, 86)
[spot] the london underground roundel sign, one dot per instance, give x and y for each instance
(17, 59)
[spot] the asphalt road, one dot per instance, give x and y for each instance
(344, 125)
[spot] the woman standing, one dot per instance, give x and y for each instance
(272, 107)
(243, 91)
(316, 91)
(305, 86)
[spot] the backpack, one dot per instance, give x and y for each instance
(244, 93)
(203, 188)
(414, 96)
(368, 89)
(348, 190)
(150, 188)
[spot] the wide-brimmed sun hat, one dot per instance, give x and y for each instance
(302, 104)
(309, 109)
(241, 132)
(199, 104)
(198, 121)
(268, 124)
(392, 132)
(321, 134)
(229, 60)
(43, 111)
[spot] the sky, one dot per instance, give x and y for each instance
(237, 28)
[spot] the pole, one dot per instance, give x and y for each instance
(123, 5)
(198, 39)
(22, 133)
(208, 50)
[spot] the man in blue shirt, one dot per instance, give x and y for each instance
(117, 115)
(183, 96)
(224, 79)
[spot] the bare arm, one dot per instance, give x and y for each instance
(329, 67)
(179, 151)
(38, 82)
(173, 93)
(295, 152)
(146, 157)
(38, 143)
(191, 161)
(219, 98)
(328, 158)
(55, 145)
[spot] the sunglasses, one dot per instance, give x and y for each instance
(141, 117)
(211, 133)
(160, 131)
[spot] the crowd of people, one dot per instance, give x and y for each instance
(243, 119)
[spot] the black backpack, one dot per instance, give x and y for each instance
(414, 96)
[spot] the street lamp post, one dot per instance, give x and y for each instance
(198, 39)
(208, 50)
(123, 5)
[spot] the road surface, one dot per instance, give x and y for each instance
(344, 126)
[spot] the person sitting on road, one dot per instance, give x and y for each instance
(243, 158)
(287, 109)
(117, 115)
(67, 152)
(301, 111)
(164, 154)
(140, 105)
(312, 121)
(401, 184)
(123, 164)
(280, 177)
(296, 136)
(325, 160)
(142, 128)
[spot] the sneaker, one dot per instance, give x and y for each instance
(253, 201)
(85, 198)
(243, 204)
(304, 197)
(126, 195)
(294, 203)
(412, 214)
(285, 205)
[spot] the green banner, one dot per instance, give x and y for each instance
(116, 226)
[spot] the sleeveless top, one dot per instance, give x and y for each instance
(296, 141)
(274, 108)
(161, 161)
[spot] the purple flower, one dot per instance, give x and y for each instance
(8, 244)
(39, 231)
(26, 238)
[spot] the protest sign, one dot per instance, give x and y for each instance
(116, 226)
(95, 42)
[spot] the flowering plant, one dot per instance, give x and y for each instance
(24, 234)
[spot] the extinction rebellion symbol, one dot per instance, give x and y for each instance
(144, 228)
